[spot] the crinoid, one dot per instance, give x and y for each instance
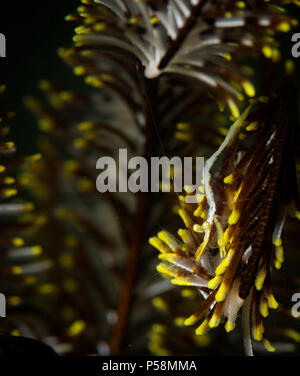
(233, 236)
(21, 259)
(190, 40)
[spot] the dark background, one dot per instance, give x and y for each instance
(34, 31)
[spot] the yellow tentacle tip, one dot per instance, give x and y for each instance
(203, 328)
(268, 346)
(228, 179)
(190, 320)
(221, 294)
(272, 303)
(214, 282)
(229, 326)
(249, 88)
(234, 217)
(214, 321)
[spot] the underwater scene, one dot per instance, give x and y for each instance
(149, 178)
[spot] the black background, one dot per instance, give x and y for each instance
(34, 31)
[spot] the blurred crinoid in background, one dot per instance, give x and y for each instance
(166, 78)
(20, 258)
